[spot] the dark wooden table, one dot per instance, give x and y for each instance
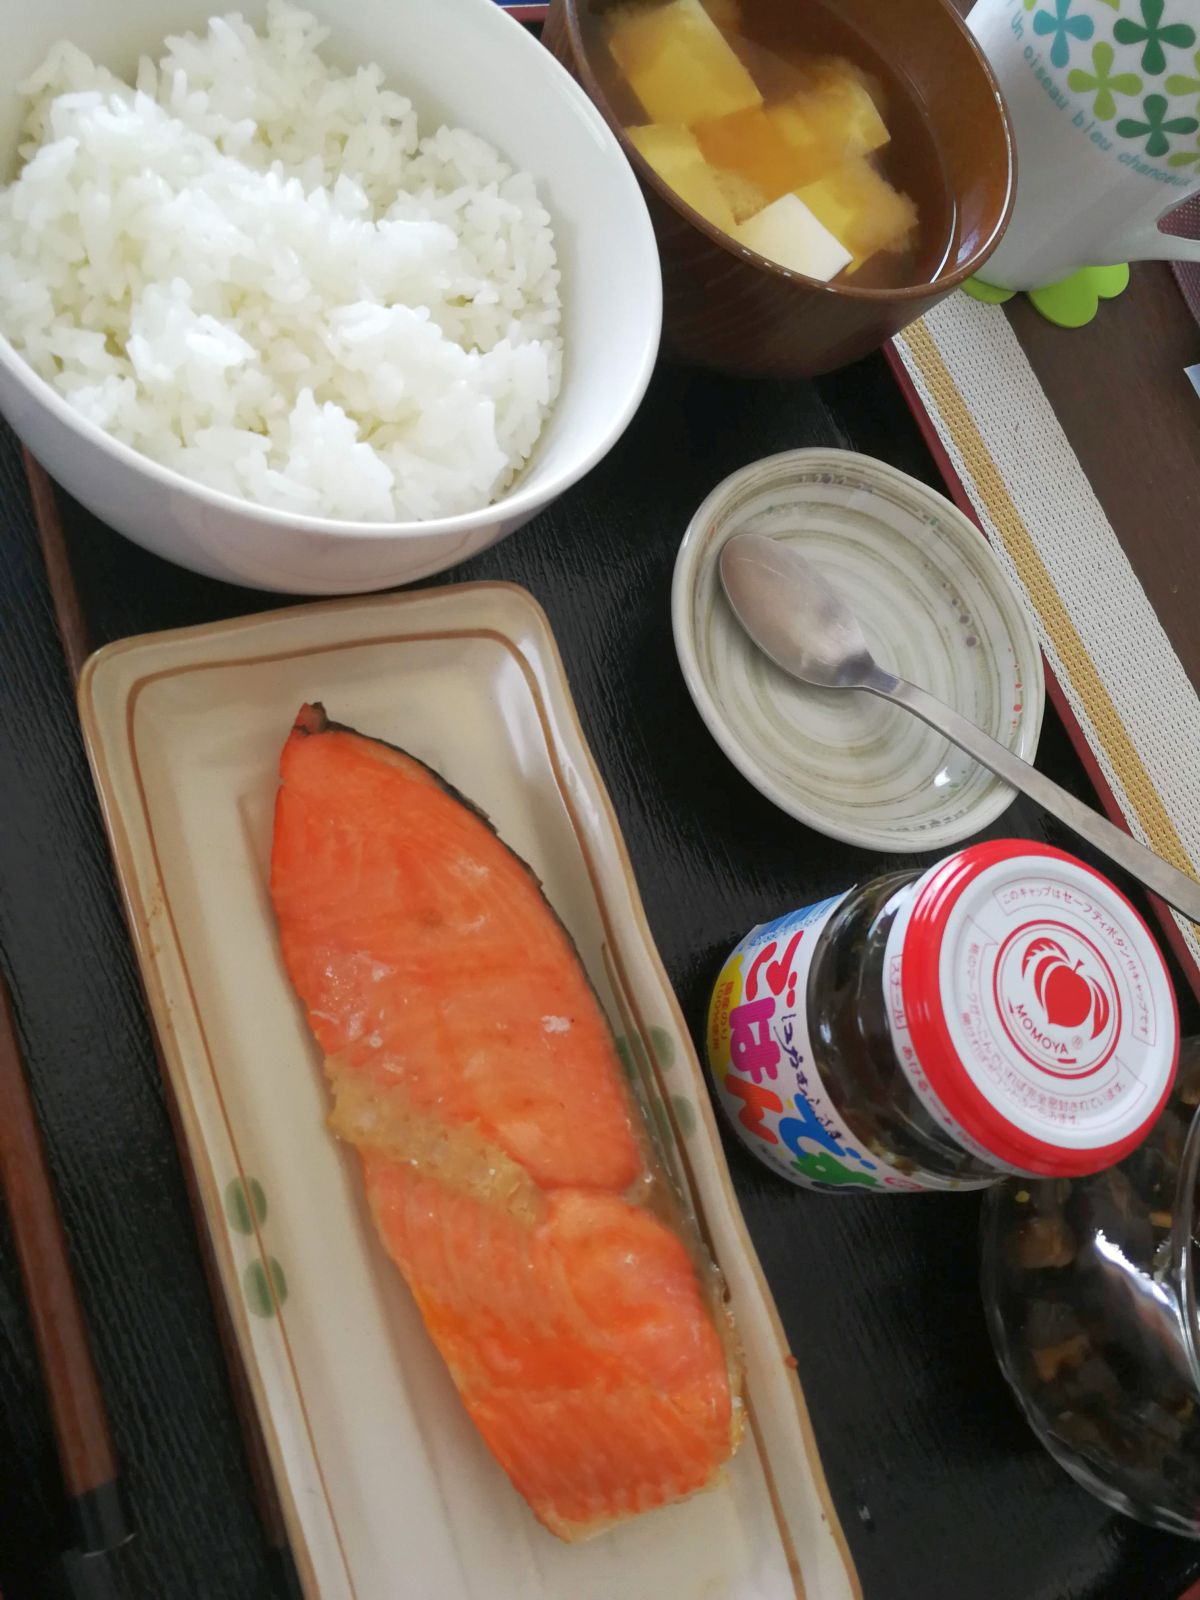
(943, 1492)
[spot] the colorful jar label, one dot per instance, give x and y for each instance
(761, 1059)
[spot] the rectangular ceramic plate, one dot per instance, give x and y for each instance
(386, 1486)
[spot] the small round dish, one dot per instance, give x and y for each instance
(935, 607)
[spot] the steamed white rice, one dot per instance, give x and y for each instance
(252, 268)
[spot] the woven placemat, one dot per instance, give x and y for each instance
(1116, 667)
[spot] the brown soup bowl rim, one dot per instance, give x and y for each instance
(943, 282)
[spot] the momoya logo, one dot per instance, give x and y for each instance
(1057, 999)
(1069, 998)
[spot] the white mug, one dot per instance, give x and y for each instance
(1104, 97)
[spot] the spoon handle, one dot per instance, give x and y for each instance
(1175, 887)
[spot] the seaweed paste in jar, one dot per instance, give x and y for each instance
(1006, 1011)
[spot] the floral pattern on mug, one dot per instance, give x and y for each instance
(1103, 83)
(1151, 32)
(1106, 92)
(1156, 127)
(1064, 27)
(1184, 82)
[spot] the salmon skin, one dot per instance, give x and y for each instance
(506, 1166)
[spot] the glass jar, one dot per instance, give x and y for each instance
(1090, 1290)
(1006, 1011)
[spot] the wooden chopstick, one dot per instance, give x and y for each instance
(85, 1450)
(68, 613)
(76, 645)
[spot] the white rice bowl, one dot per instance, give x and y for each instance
(251, 268)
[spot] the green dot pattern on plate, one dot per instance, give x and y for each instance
(626, 1054)
(663, 1046)
(263, 1294)
(245, 1204)
(635, 1057)
(685, 1114)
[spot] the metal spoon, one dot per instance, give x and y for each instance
(798, 619)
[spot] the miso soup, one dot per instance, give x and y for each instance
(791, 136)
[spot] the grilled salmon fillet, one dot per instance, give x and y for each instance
(506, 1165)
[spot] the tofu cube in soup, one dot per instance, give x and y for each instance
(789, 233)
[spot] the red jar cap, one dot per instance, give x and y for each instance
(1031, 1009)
